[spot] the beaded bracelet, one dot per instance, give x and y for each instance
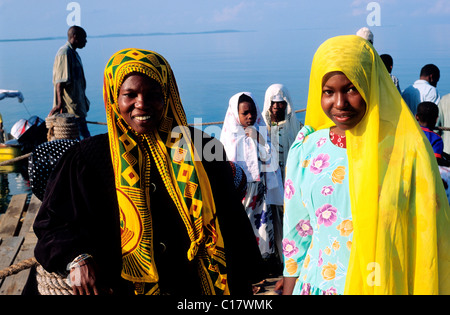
(76, 262)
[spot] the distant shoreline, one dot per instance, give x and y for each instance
(121, 35)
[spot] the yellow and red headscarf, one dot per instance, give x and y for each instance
(182, 172)
(401, 242)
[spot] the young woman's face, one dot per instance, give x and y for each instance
(141, 103)
(342, 102)
(247, 114)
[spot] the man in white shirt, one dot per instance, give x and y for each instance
(424, 89)
(69, 80)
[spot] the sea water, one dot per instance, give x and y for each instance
(209, 68)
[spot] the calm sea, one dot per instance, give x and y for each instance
(209, 69)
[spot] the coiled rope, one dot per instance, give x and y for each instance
(48, 283)
(51, 283)
(61, 126)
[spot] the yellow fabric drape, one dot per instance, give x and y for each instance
(399, 206)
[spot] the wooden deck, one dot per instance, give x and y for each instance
(17, 240)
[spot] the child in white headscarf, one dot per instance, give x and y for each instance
(246, 142)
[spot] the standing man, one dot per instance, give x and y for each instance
(389, 63)
(69, 81)
(424, 89)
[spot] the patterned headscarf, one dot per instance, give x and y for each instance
(178, 164)
(401, 238)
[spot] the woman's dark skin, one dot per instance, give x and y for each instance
(278, 111)
(247, 118)
(343, 104)
(140, 103)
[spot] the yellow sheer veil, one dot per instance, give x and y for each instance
(399, 206)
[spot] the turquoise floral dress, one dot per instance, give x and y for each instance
(317, 233)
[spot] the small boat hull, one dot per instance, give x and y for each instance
(8, 152)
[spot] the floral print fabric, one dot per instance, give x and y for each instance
(318, 227)
(260, 216)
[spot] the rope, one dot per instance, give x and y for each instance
(207, 124)
(96, 123)
(51, 134)
(16, 159)
(221, 122)
(51, 283)
(61, 126)
(13, 269)
(199, 124)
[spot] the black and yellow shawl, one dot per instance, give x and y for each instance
(182, 172)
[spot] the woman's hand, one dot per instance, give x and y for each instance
(83, 279)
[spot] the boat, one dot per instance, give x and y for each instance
(24, 137)
(27, 134)
(9, 152)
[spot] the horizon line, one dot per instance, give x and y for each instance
(122, 35)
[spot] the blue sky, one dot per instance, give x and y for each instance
(34, 19)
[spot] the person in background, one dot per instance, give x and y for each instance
(283, 126)
(424, 89)
(389, 63)
(365, 208)
(427, 116)
(146, 208)
(245, 138)
(282, 123)
(366, 33)
(444, 120)
(69, 80)
(2, 131)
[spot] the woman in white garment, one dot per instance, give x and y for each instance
(281, 121)
(283, 127)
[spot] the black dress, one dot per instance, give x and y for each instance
(80, 214)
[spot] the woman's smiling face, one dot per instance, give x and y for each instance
(342, 102)
(141, 103)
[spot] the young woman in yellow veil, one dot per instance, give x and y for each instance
(365, 207)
